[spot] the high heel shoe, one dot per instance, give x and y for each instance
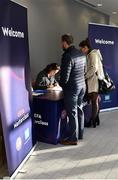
(88, 124)
(97, 120)
(94, 124)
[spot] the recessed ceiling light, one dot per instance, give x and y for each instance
(99, 4)
(114, 12)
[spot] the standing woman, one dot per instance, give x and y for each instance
(93, 73)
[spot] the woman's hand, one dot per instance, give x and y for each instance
(50, 86)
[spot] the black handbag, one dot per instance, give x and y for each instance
(106, 85)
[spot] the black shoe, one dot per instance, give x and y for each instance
(88, 124)
(97, 120)
(81, 136)
(93, 123)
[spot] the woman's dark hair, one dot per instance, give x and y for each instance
(85, 43)
(52, 66)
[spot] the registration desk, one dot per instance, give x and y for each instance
(51, 121)
(48, 108)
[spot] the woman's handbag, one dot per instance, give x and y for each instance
(106, 85)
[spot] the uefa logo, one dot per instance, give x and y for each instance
(18, 144)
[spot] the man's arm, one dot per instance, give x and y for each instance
(66, 68)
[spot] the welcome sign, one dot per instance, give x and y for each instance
(14, 83)
(12, 33)
(105, 38)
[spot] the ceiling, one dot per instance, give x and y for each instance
(108, 7)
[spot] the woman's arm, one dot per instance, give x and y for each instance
(93, 65)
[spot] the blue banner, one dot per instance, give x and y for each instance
(3, 2)
(105, 38)
(14, 83)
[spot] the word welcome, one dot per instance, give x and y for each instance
(12, 33)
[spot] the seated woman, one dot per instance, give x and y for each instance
(46, 78)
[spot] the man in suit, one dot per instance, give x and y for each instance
(72, 82)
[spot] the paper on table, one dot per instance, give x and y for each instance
(37, 94)
(56, 88)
